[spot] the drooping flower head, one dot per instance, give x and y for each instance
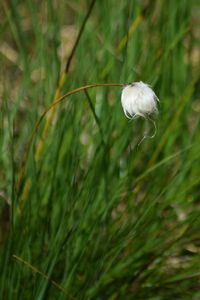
(138, 99)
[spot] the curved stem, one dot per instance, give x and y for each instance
(35, 129)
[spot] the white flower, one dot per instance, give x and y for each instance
(138, 99)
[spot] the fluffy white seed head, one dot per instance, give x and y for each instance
(138, 99)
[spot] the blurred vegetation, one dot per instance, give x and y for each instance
(103, 218)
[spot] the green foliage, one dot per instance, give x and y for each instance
(104, 218)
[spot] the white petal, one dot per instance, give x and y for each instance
(138, 99)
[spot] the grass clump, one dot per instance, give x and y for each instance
(97, 217)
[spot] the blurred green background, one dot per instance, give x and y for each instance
(102, 217)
